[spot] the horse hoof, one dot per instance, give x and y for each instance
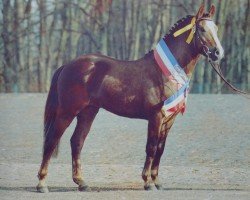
(42, 189)
(159, 187)
(148, 187)
(84, 188)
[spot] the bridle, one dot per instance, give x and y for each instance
(194, 35)
(205, 49)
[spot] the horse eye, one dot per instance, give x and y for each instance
(202, 29)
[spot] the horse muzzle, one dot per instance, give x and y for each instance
(213, 54)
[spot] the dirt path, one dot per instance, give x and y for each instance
(206, 157)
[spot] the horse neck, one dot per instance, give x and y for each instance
(186, 54)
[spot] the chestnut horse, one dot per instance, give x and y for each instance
(134, 89)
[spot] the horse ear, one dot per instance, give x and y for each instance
(200, 12)
(212, 10)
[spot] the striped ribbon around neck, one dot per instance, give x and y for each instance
(174, 73)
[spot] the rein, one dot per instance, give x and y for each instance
(217, 69)
(193, 26)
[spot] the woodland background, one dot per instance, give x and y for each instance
(38, 36)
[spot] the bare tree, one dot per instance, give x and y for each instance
(39, 36)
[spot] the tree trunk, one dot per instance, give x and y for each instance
(7, 55)
(42, 46)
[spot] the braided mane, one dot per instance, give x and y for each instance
(177, 25)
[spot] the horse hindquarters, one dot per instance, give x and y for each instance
(65, 100)
(54, 125)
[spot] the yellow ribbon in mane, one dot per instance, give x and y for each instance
(186, 28)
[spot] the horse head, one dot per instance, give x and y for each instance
(200, 34)
(206, 38)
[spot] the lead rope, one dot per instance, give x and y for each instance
(217, 69)
(192, 27)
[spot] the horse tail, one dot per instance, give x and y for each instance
(50, 111)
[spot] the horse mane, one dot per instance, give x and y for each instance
(179, 24)
(173, 29)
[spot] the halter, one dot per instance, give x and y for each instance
(193, 26)
(205, 48)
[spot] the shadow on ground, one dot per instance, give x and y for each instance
(103, 189)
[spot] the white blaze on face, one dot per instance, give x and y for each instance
(212, 29)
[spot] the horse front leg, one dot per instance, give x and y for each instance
(166, 126)
(154, 126)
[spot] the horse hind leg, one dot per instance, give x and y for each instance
(56, 130)
(84, 122)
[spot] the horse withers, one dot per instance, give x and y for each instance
(153, 88)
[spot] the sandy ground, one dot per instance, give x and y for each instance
(206, 156)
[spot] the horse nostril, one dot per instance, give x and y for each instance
(217, 52)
